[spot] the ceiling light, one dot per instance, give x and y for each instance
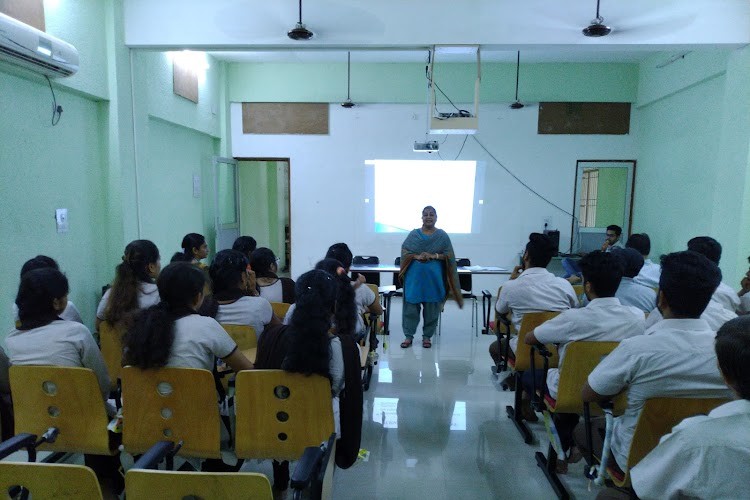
(300, 32)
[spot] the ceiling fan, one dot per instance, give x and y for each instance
(597, 27)
(348, 103)
(299, 32)
(518, 104)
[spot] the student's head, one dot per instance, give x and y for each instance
(148, 342)
(340, 252)
(631, 259)
(613, 234)
(228, 271)
(345, 315)
(688, 280)
(140, 264)
(308, 346)
(194, 246)
(39, 262)
(42, 296)
(602, 273)
(263, 262)
(733, 354)
(539, 250)
(245, 244)
(640, 242)
(707, 246)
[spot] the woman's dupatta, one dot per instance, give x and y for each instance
(438, 242)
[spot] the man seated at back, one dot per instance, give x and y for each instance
(650, 272)
(603, 319)
(612, 240)
(631, 292)
(532, 288)
(724, 294)
(674, 358)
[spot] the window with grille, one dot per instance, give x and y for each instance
(589, 188)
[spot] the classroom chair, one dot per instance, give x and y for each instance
(486, 310)
(398, 291)
(368, 346)
(46, 481)
(467, 292)
(245, 338)
(280, 309)
(578, 289)
(366, 260)
(110, 338)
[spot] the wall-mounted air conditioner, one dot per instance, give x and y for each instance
(24, 46)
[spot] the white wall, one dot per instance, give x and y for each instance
(328, 178)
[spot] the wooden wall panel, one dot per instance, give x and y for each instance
(184, 82)
(284, 118)
(610, 118)
(30, 12)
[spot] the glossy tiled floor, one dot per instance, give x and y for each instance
(436, 428)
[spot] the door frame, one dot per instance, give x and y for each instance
(217, 219)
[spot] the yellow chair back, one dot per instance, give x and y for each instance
(279, 413)
(63, 397)
(374, 288)
(47, 481)
(175, 404)
(523, 352)
(280, 309)
(110, 337)
(243, 335)
(149, 484)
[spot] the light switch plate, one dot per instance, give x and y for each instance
(196, 186)
(61, 220)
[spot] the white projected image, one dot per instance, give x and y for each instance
(404, 187)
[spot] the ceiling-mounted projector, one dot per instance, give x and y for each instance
(426, 147)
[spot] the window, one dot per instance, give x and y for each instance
(589, 191)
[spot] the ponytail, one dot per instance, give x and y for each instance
(133, 269)
(345, 312)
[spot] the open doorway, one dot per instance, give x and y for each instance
(264, 205)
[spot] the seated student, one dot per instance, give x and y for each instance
(725, 294)
(133, 287)
(603, 319)
(367, 301)
(71, 311)
(650, 272)
(272, 288)
(194, 250)
(612, 240)
(707, 456)
(631, 292)
(232, 288)
(246, 245)
(532, 288)
(6, 406)
(744, 296)
(674, 358)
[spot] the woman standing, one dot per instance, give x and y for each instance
(429, 273)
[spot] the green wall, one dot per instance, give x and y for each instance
(610, 200)
(259, 216)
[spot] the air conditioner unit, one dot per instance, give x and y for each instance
(24, 46)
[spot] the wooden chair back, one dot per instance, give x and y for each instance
(175, 404)
(48, 481)
(279, 413)
(578, 289)
(280, 309)
(243, 335)
(374, 288)
(149, 484)
(63, 397)
(110, 337)
(523, 352)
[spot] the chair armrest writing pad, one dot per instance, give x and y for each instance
(16, 443)
(153, 457)
(306, 467)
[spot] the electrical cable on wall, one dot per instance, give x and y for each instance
(56, 108)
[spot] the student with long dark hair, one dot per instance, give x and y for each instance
(194, 249)
(274, 289)
(173, 334)
(40, 261)
(232, 289)
(133, 287)
(246, 245)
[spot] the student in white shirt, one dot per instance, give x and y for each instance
(707, 456)
(603, 319)
(631, 292)
(232, 290)
(133, 287)
(194, 250)
(724, 294)
(612, 240)
(71, 311)
(715, 315)
(173, 334)
(271, 287)
(650, 272)
(674, 358)
(743, 293)
(532, 288)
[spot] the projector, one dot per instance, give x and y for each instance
(425, 147)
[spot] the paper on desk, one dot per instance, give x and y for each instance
(485, 268)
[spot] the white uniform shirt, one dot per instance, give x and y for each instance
(703, 457)
(650, 274)
(535, 290)
(148, 295)
(674, 358)
(272, 292)
(197, 340)
(727, 297)
(604, 319)
(715, 315)
(59, 343)
(632, 293)
(69, 314)
(363, 298)
(745, 304)
(252, 311)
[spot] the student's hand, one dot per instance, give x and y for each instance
(605, 246)
(516, 272)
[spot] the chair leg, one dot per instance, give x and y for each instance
(548, 465)
(514, 413)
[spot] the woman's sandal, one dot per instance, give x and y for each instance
(426, 344)
(406, 343)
